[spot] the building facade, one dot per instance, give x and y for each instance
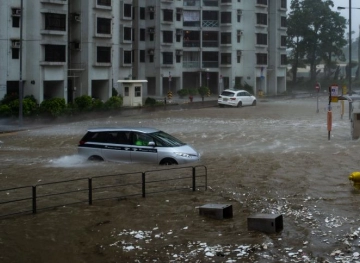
(69, 48)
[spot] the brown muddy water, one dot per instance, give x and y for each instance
(274, 158)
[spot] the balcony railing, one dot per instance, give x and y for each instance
(210, 64)
(210, 43)
(191, 64)
(210, 23)
(191, 2)
(191, 43)
(210, 2)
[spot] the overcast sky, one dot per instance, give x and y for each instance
(355, 13)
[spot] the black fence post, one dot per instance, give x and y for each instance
(193, 179)
(34, 199)
(143, 184)
(90, 190)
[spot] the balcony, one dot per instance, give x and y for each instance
(210, 23)
(210, 2)
(210, 43)
(191, 43)
(191, 64)
(192, 3)
(210, 64)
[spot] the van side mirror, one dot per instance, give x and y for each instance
(151, 144)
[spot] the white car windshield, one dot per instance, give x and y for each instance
(166, 140)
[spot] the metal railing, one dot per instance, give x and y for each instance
(31, 199)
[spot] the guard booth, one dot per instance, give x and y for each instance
(132, 92)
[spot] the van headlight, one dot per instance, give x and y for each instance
(185, 155)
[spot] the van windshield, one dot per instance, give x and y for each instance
(166, 140)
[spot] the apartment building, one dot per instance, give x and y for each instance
(69, 48)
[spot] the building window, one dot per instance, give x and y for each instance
(126, 91)
(283, 21)
(127, 10)
(168, 15)
(16, 21)
(261, 39)
(55, 53)
(142, 34)
(103, 25)
(225, 18)
(127, 56)
(55, 22)
(142, 13)
(225, 38)
(261, 59)
(178, 59)
(283, 59)
(225, 58)
(103, 55)
(178, 14)
(261, 2)
(137, 91)
(15, 53)
(104, 2)
(283, 4)
(142, 56)
(127, 33)
(261, 19)
(283, 41)
(167, 58)
(167, 36)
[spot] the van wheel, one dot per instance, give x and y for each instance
(96, 158)
(168, 161)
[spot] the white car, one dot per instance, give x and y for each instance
(132, 145)
(236, 98)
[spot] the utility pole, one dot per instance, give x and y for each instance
(20, 71)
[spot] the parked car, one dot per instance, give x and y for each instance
(236, 98)
(130, 144)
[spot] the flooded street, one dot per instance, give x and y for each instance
(274, 158)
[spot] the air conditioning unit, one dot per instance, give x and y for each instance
(151, 30)
(179, 31)
(151, 9)
(16, 44)
(179, 52)
(77, 18)
(151, 52)
(239, 33)
(239, 12)
(238, 52)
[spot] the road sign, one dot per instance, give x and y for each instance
(334, 91)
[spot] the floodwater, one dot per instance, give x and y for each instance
(274, 158)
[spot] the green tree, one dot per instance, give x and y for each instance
(315, 34)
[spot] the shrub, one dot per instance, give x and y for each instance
(114, 92)
(97, 104)
(30, 106)
(9, 98)
(55, 106)
(193, 92)
(150, 101)
(203, 91)
(84, 102)
(5, 110)
(114, 102)
(183, 92)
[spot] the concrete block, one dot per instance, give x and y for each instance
(269, 223)
(217, 211)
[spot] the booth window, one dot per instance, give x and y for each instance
(126, 91)
(137, 91)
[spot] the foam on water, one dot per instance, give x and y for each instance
(70, 161)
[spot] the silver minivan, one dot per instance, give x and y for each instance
(131, 144)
